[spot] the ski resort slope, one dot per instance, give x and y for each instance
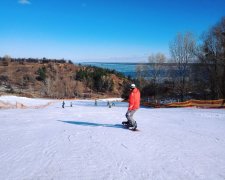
(87, 142)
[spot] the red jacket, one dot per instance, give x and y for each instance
(134, 99)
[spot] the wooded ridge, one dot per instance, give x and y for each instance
(58, 79)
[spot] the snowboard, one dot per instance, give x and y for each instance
(124, 123)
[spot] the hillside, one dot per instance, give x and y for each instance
(58, 79)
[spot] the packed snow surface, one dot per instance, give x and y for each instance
(24, 100)
(88, 142)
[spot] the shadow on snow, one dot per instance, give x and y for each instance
(80, 123)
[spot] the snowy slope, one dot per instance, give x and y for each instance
(13, 101)
(88, 142)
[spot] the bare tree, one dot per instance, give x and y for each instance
(213, 56)
(156, 62)
(141, 74)
(149, 75)
(7, 60)
(49, 86)
(182, 50)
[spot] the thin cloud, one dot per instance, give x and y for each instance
(24, 2)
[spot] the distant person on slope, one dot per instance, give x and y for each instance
(134, 104)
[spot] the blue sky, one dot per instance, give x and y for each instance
(104, 30)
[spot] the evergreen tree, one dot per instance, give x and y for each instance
(41, 74)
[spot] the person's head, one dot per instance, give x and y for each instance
(132, 86)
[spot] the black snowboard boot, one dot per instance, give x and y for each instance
(125, 122)
(133, 127)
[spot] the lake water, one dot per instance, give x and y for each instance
(128, 69)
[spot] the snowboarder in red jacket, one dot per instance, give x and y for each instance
(134, 104)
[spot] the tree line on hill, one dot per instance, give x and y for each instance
(197, 70)
(97, 79)
(44, 60)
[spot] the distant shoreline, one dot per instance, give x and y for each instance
(122, 63)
